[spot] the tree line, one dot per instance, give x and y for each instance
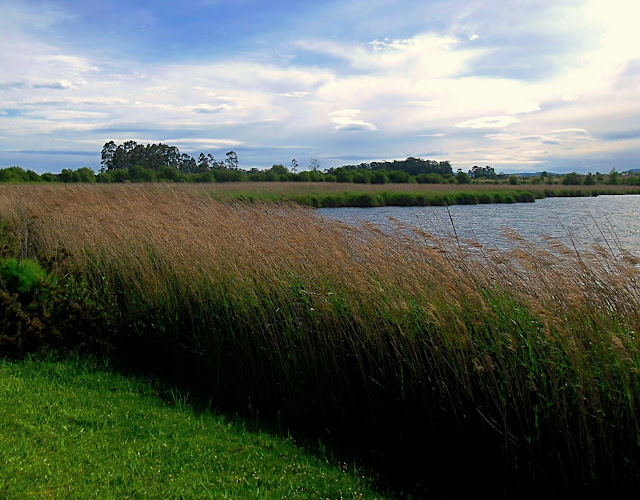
(133, 162)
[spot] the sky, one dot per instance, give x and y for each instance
(522, 86)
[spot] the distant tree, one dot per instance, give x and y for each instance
(213, 163)
(430, 179)
(108, 155)
(294, 166)
(229, 175)
(105, 176)
(361, 177)
(462, 177)
(85, 174)
(379, 177)
(141, 174)
(314, 164)
(480, 173)
(203, 165)
(513, 180)
(589, 180)
(120, 160)
(170, 155)
(129, 146)
(14, 174)
(398, 176)
(279, 170)
(66, 175)
(613, 178)
(571, 179)
(343, 175)
(232, 160)
(120, 175)
(170, 174)
(187, 164)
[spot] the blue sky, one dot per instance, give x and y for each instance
(518, 85)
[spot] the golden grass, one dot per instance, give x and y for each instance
(539, 343)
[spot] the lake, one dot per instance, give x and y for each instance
(608, 220)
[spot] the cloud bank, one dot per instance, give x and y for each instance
(554, 87)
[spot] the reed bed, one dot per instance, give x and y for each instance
(331, 194)
(513, 369)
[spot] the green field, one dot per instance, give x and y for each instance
(80, 430)
(519, 371)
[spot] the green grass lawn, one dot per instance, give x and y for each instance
(74, 429)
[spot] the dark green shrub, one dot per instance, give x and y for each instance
(379, 178)
(21, 276)
(40, 313)
(205, 177)
(430, 179)
(463, 178)
(120, 175)
(571, 179)
(398, 176)
(361, 178)
(344, 176)
(141, 174)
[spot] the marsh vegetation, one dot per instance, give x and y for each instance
(519, 370)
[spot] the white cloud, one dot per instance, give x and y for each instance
(206, 143)
(426, 104)
(502, 137)
(396, 86)
(423, 55)
(295, 94)
(345, 120)
(571, 134)
(523, 107)
(489, 122)
(208, 108)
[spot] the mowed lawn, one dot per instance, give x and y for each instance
(75, 429)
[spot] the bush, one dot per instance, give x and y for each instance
(571, 179)
(398, 176)
(430, 179)
(120, 175)
(205, 177)
(141, 174)
(463, 178)
(39, 313)
(21, 276)
(379, 177)
(361, 178)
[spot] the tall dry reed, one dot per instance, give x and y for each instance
(528, 359)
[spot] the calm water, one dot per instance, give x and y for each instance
(605, 219)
